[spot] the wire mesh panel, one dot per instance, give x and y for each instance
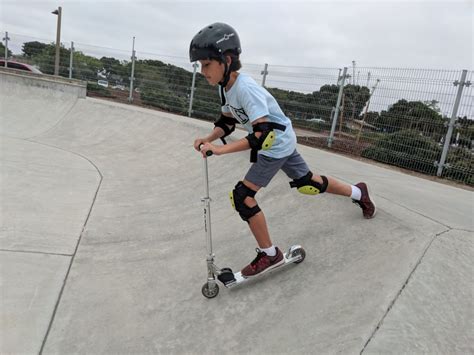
(164, 82)
(37, 52)
(395, 116)
(460, 159)
(306, 95)
(106, 70)
(206, 101)
(405, 119)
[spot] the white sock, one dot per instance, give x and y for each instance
(356, 193)
(270, 251)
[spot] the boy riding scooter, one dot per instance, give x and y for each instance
(271, 141)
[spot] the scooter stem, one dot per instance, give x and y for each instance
(207, 211)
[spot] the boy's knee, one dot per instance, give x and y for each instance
(306, 185)
(241, 198)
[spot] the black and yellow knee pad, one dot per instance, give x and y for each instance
(307, 186)
(237, 198)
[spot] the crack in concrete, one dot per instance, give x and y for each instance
(73, 256)
(379, 324)
(34, 252)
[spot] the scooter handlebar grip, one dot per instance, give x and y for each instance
(208, 153)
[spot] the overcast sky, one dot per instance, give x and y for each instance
(413, 34)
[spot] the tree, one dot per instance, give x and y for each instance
(433, 104)
(465, 128)
(407, 149)
(31, 49)
(45, 59)
(85, 67)
(411, 115)
(355, 97)
(116, 70)
(372, 117)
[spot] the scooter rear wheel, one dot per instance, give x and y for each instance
(208, 292)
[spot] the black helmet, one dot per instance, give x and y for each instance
(213, 41)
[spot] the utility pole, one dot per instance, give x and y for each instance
(342, 114)
(190, 110)
(353, 71)
(57, 12)
(365, 112)
(264, 72)
(340, 82)
(6, 39)
(130, 96)
(71, 56)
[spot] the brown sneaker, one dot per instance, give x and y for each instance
(367, 205)
(263, 263)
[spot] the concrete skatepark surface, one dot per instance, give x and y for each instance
(103, 245)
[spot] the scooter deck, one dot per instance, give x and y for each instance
(288, 257)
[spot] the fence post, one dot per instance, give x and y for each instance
(6, 39)
(190, 110)
(341, 82)
(71, 59)
(130, 96)
(452, 121)
(264, 72)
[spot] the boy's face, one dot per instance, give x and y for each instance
(212, 70)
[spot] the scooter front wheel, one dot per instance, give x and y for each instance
(209, 292)
(301, 253)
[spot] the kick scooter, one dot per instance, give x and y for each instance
(226, 276)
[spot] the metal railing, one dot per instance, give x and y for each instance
(417, 119)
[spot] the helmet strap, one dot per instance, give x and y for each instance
(226, 77)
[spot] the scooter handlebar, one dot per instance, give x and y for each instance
(208, 153)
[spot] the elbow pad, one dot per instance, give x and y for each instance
(224, 122)
(266, 139)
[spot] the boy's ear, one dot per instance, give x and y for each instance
(228, 59)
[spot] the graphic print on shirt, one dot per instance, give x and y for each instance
(240, 114)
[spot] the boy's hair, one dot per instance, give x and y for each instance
(235, 64)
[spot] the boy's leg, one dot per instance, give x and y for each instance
(257, 224)
(358, 192)
(295, 167)
(335, 186)
(268, 256)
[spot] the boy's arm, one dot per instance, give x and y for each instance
(218, 132)
(236, 146)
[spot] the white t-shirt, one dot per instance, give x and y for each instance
(247, 101)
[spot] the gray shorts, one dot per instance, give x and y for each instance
(263, 171)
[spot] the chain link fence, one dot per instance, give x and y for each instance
(416, 119)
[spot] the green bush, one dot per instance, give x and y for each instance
(407, 149)
(98, 90)
(460, 165)
(164, 99)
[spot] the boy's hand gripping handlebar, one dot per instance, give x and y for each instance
(208, 153)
